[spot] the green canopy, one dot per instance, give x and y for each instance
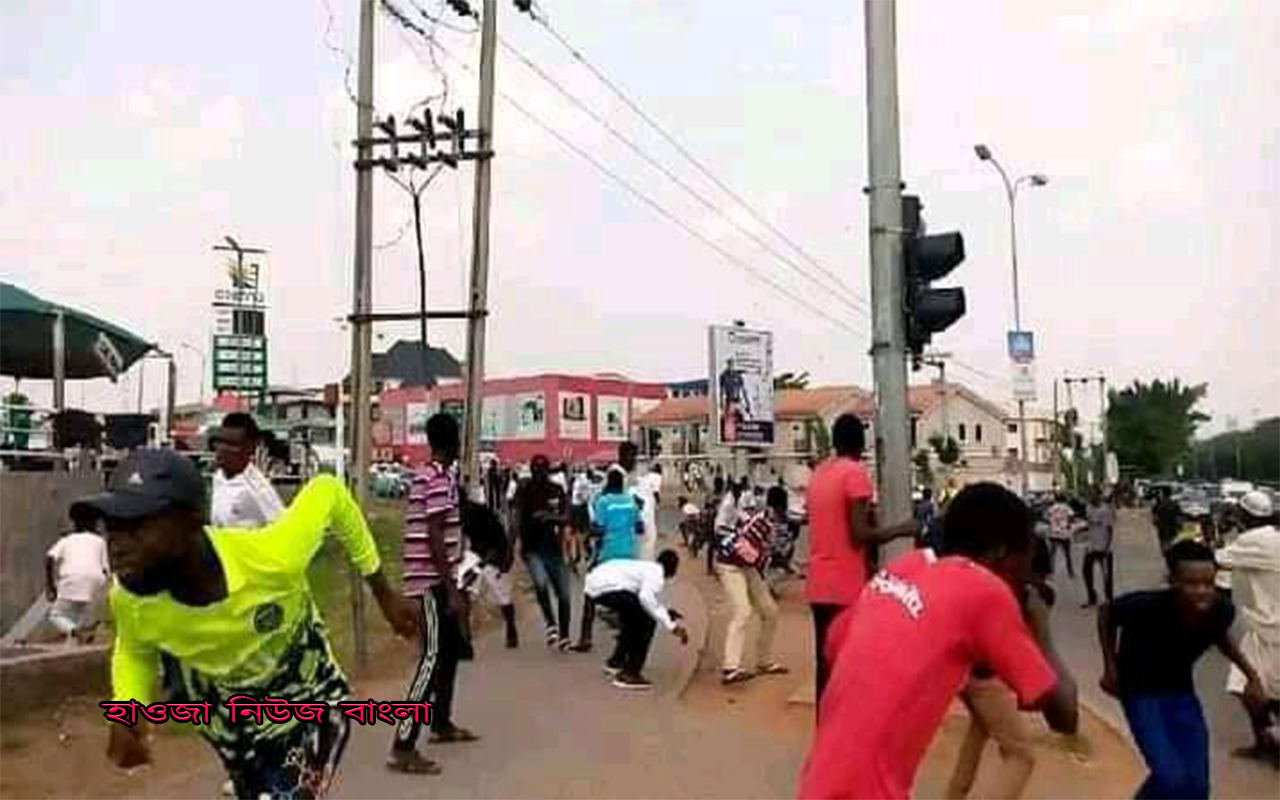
(94, 347)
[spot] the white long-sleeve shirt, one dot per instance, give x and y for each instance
(642, 578)
(1254, 561)
(246, 501)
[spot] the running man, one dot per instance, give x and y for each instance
(920, 627)
(76, 571)
(242, 496)
(1151, 642)
(540, 509)
(229, 612)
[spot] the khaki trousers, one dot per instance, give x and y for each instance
(994, 714)
(747, 591)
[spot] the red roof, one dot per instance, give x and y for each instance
(787, 404)
(818, 401)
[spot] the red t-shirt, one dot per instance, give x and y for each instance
(837, 567)
(901, 656)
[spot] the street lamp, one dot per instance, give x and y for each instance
(1011, 191)
(203, 367)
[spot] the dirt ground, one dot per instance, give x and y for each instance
(1099, 764)
(35, 752)
(65, 759)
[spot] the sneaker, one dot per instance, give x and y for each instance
(564, 645)
(581, 647)
(611, 670)
(631, 680)
(553, 638)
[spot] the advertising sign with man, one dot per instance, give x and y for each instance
(741, 386)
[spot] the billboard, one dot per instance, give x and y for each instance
(531, 415)
(575, 422)
(415, 423)
(741, 386)
(611, 418)
(239, 328)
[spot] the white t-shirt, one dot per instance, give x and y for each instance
(80, 566)
(646, 488)
(581, 490)
(727, 515)
(246, 501)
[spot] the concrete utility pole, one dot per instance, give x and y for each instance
(480, 251)
(888, 347)
(361, 306)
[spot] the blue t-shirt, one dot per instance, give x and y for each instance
(618, 515)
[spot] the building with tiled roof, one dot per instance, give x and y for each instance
(676, 430)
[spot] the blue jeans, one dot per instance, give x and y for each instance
(1171, 733)
(549, 573)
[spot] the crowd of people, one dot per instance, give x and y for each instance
(226, 608)
(965, 615)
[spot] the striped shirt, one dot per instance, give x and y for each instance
(434, 495)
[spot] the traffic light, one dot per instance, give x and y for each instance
(926, 258)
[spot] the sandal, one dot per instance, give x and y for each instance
(411, 762)
(452, 735)
(772, 668)
(732, 676)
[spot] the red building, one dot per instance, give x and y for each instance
(576, 419)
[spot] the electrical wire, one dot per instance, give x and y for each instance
(541, 18)
(671, 217)
(339, 51)
(660, 209)
(641, 153)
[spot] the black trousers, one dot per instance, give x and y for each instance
(823, 615)
(1065, 546)
(636, 634)
(1107, 561)
(437, 672)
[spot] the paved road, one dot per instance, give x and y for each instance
(1139, 566)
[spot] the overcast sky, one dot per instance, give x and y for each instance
(138, 133)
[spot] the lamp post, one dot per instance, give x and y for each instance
(203, 366)
(1011, 191)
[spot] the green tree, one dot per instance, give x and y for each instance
(1150, 426)
(948, 451)
(1259, 449)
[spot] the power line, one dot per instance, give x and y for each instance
(672, 218)
(640, 152)
(542, 20)
(655, 205)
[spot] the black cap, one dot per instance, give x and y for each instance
(148, 482)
